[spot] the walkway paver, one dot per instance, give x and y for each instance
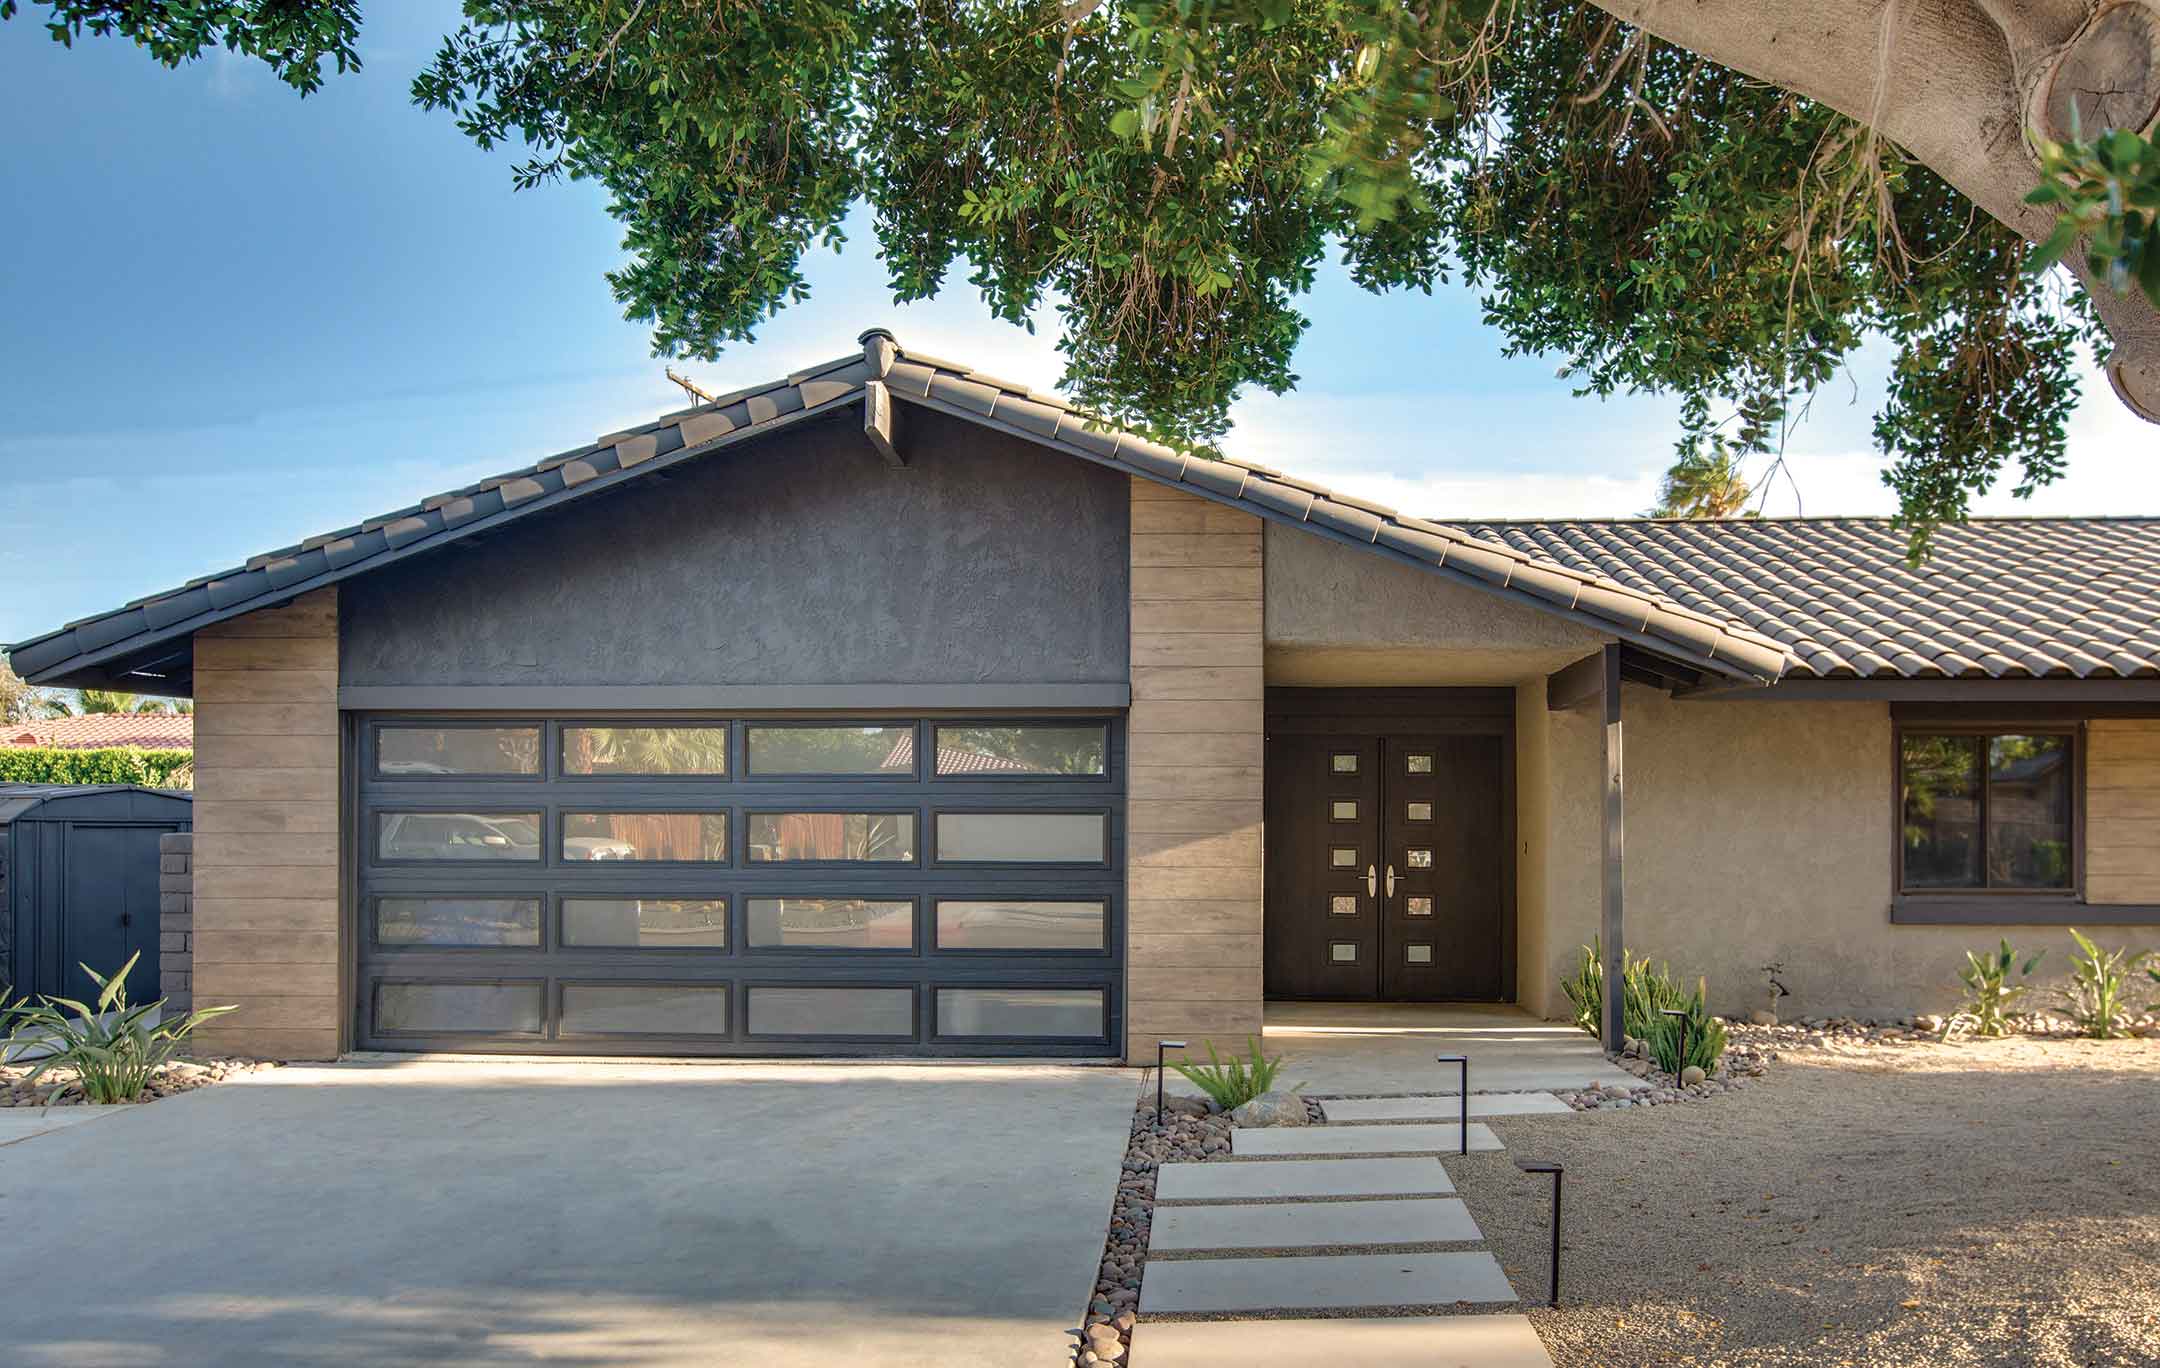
(1352, 1110)
(1325, 1140)
(1313, 1225)
(20, 1123)
(1293, 1179)
(1320, 1282)
(1485, 1341)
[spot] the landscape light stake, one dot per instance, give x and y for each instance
(1160, 1047)
(1462, 1126)
(1680, 1062)
(1559, 1176)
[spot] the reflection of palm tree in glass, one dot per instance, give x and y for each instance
(646, 750)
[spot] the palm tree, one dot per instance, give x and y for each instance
(95, 701)
(1704, 485)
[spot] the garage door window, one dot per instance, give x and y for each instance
(810, 885)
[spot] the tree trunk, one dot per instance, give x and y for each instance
(1956, 83)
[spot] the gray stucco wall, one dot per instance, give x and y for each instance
(800, 559)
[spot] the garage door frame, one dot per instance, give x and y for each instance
(923, 969)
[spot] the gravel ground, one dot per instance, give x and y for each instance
(179, 1076)
(1901, 1202)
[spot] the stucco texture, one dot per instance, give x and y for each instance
(803, 558)
(1757, 833)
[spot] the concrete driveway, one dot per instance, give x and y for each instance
(450, 1212)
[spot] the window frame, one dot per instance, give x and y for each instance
(1983, 905)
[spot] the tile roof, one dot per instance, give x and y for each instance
(151, 731)
(2000, 598)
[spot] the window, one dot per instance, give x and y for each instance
(641, 1009)
(838, 837)
(646, 923)
(457, 835)
(457, 921)
(1007, 752)
(1020, 1012)
(422, 752)
(886, 751)
(673, 836)
(832, 1011)
(831, 923)
(1986, 811)
(459, 1008)
(1020, 925)
(1021, 837)
(700, 750)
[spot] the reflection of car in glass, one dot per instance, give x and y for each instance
(597, 848)
(395, 767)
(458, 836)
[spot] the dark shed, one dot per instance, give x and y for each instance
(79, 883)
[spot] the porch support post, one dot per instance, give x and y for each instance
(1613, 824)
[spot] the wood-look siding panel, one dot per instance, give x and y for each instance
(1213, 782)
(1188, 649)
(1171, 816)
(1201, 617)
(1227, 683)
(1185, 716)
(2122, 811)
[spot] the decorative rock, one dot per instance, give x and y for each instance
(1762, 1018)
(1273, 1109)
(1690, 1076)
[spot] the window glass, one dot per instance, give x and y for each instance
(406, 752)
(1029, 837)
(1343, 810)
(993, 751)
(1342, 952)
(457, 921)
(886, 750)
(1020, 925)
(2028, 812)
(678, 836)
(457, 835)
(1020, 1012)
(457, 1008)
(648, 923)
(831, 923)
(645, 750)
(644, 1009)
(855, 837)
(1941, 801)
(1342, 904)
(832, 1011)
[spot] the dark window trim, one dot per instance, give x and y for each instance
(377, 727)
(1989, 906)
(935, 724)
(914, 775)
(373, 915)
(733, 1031)
(565, 812)
(558, 739)
(912, 950)
(1102, 996)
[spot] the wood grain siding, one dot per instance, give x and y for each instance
(1193, 880)
(266, 831)
(2122, 810)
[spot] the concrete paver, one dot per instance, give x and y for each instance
(1483, 1341)
(1320, 1282)
(1292, 1179)
(20, 1123)
(1320, 1140)
(1313, 1225)
(1352, 1110)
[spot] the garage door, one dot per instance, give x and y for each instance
(769, 886)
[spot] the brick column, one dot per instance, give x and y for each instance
(266, 832)
(176, 922)
(1193, 880)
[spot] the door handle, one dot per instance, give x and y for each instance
(1391, 881)
(1372, 881)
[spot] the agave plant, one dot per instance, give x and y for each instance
(110, 1050)
(2097, 997)
(1989, 993)
(1231, 1083)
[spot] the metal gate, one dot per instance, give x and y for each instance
(738, 886)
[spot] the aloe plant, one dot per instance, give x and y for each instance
(111, 1050)
(1989, 993)
(2097, 997)
(1231, 1083)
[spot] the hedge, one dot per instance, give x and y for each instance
(111, 765)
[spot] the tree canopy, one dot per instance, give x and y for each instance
(1172, 176)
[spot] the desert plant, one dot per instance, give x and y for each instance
(1705, 1035)
(1645, 992)
(1989, 993)
(2096, 998)
(111, 1049)
(1231, 1083)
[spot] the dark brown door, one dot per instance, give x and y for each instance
(1385, 867)
(1323, 867)
(1441, 889)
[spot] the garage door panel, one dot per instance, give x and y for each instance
(577, 885)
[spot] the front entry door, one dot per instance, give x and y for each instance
(1385, 867)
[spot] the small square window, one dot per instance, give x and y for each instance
(1417, 812)
(1417, 954)
(1342, 952)
(1343, 810)
(1342, 905)
(1418, 762)
(1343, 762)
(1417, 907)
(1343, 857)
(1418, 857)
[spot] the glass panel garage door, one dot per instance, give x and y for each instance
(764, 886)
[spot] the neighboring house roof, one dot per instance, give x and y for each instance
(952, 759)
(151, 731)
(1999, 598)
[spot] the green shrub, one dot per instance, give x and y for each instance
(111, 765)
(1231, 1083)
(109, 1046)
(2097, 997)
(1705, 1035)
(1989, 993)
(1646, 992)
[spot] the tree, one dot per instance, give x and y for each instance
(1703, 484)
(1721, 199)
(20, 702)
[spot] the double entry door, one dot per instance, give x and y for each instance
(1385, 867)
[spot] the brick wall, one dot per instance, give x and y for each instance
(176, 921)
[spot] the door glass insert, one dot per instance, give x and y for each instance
(1020, 1012)
(459, 1008)
(840, 837)
(831, 923)
(1342, 905)
(1343, 857)
(676, 837)
(1343, 810)
(657, 1009)
(457, 921)
(865, 751)
(421, 752)
(1417, 906)
(1012, 751)
(1418, 857)
(1417, 812)
(1020, 925)
(861, 1011)
(1342, 952)
(1343, 762)
(1022, 837)
(1418, 954)
(1418, 762)
(646, 750)
(457, 835)
(647, 923)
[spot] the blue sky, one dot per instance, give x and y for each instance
(233, 318)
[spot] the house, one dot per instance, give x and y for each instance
(893, 709)
(98, 731)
